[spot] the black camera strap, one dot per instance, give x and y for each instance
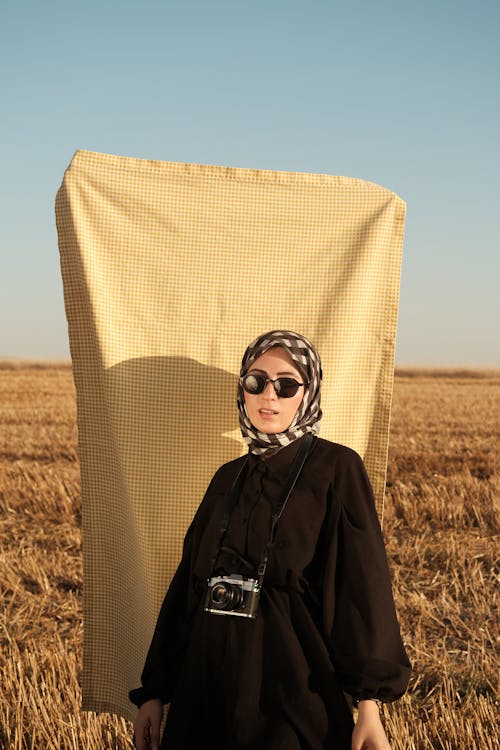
(234, 495)
(297, 465)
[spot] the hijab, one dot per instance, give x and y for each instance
(308, 415)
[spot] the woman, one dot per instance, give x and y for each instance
(277, 666)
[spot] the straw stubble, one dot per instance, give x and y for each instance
(440, 524)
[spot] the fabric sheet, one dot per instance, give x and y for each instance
(169, 271)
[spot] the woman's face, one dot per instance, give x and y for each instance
(266, 411)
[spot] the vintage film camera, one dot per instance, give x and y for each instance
(232, 595)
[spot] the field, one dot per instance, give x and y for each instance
(440, 522)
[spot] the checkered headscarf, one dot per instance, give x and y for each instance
(308, 414)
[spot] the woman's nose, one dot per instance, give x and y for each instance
(270, 393)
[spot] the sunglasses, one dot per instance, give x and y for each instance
(255, 383)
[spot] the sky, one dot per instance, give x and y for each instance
(404, 94)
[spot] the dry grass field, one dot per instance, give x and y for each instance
(440, 523)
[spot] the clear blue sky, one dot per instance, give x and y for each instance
(405, 94)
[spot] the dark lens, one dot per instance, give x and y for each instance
(254, 383)
(286, 387)
(220, 595)
(225, 595)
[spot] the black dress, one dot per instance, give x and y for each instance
(326, 623)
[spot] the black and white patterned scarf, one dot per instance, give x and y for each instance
(309, 412)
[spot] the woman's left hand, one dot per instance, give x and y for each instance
(369, 734)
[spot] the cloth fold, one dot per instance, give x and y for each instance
(169, 271)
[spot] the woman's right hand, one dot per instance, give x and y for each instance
(147, 725)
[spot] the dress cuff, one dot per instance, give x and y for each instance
(138, 696)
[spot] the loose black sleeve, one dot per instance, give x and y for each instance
(173, 626)
(368, 652)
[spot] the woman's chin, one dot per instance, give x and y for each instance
(269, 427)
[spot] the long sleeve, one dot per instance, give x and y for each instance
(166, 654)
(368, 652)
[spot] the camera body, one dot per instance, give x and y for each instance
(232, 595)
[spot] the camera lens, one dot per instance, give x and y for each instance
(225, 596)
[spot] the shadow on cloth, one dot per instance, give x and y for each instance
(168, 417)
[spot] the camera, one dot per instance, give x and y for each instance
(232, 595)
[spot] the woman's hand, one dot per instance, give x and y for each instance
(369, 734)
(147, 725)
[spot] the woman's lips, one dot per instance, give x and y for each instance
(267, 413)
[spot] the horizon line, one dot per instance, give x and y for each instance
(402, 368)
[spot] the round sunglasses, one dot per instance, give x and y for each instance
(255, 383)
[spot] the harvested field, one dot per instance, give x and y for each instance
(441, 525)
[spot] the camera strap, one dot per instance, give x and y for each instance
(235, 491)
(234, 494)
(297, 465)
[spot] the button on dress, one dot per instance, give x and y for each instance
(326, 626)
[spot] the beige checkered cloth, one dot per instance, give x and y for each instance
(169, 271)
